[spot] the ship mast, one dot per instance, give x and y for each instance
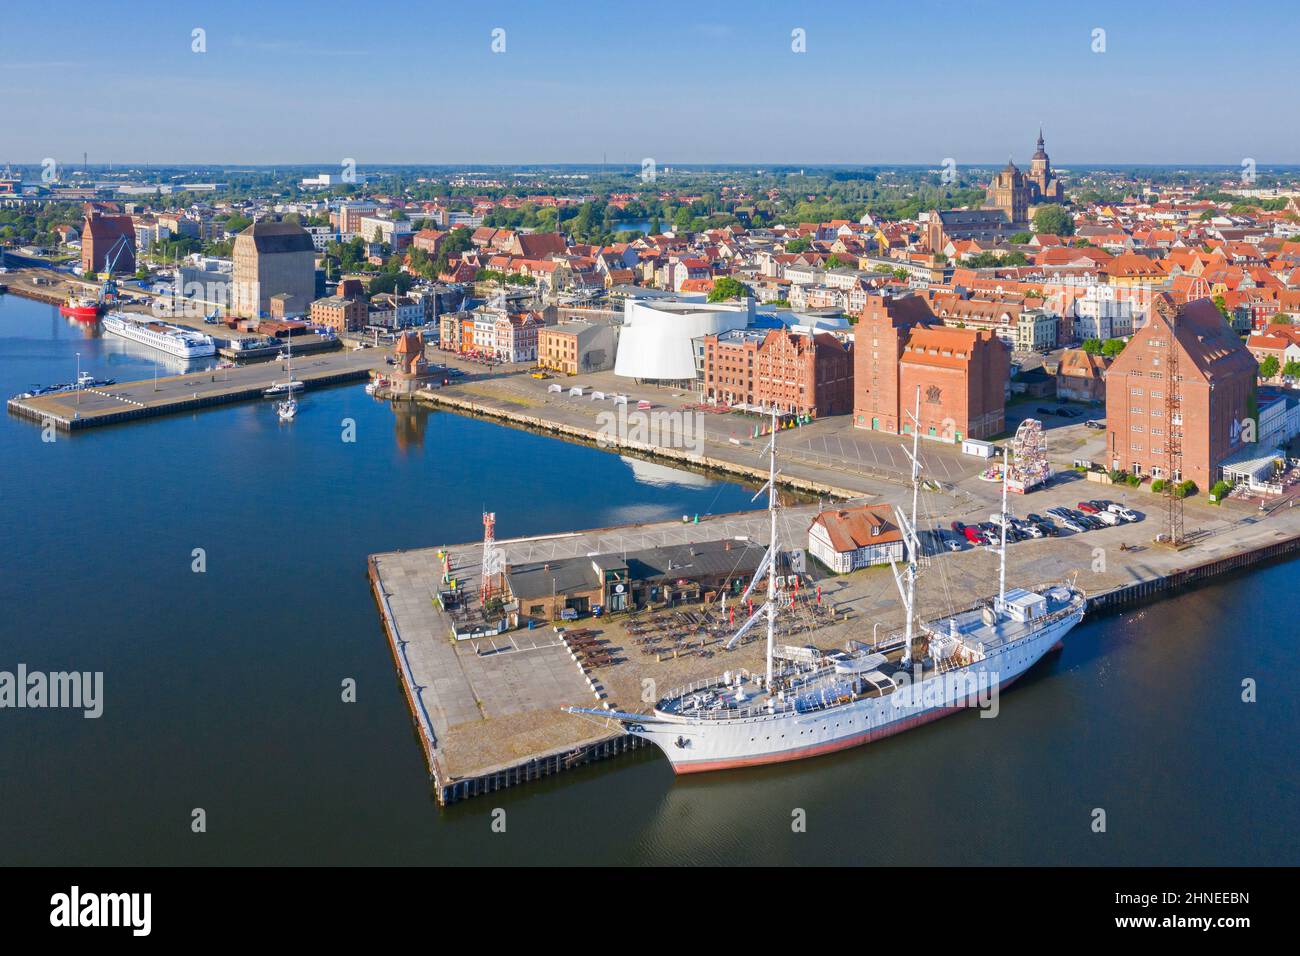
(771, 564)
(1002, 551)
(907, 591)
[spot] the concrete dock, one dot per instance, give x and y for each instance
(488, 712)
(86, 408)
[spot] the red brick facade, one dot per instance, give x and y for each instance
(102, 236)
(961, 373)
(795, 373)
(1216, 381)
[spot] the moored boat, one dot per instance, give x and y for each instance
(80, 307)
(814, 702)
(172, 339)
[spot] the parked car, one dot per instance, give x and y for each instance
(1095, 424)
(1035, 531)
(973, 535)
(958, 527)
(1043, 411)
(1067, 412)
(1087, 507)
(1047, 528)
(1036, 519)
(1125, 513)
(1072, 525)
(1109, 518)
(954, 544)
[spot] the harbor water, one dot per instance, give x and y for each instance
(212, 567)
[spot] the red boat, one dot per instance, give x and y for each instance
(82, 308)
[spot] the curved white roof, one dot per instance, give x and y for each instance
(657, 341)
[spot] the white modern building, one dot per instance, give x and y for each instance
(1108, 312)
(660, 341)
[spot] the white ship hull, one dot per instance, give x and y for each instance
(182, 343)
(694, 745)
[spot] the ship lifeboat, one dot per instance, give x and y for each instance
(81, 308)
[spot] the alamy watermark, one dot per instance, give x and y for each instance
(957, 688)
(659, 429)
(75, 690)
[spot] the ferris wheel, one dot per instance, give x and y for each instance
(1027, 465)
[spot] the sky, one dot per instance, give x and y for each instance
(288, 82)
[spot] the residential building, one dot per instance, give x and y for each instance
(389, 311)
(515, 338)
(577, 346)
(851, 538)
(1081, 376)
(340, 313)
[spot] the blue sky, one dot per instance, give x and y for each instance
(699, 82)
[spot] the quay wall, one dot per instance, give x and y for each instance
(675, 455)
(450, 789)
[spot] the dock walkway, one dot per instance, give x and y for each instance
(86, 408)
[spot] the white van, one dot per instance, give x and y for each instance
(1108, 517)
(1124, 513)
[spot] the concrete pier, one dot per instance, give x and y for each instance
(488, 712)
(86, 408)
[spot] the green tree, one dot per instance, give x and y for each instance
(1112, 347)
(726, 288)
(1269, 367)
(1054, 220)
(1020, 238)
(1290, 370)
(1092, 346)
(799, 244)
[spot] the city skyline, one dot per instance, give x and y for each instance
(422, 87)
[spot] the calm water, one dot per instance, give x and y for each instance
(222, 688)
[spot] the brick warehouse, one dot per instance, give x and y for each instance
(962, 374)
(1216, 386)
(790, 371)
(104, 236)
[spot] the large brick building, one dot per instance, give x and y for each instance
(107, 240)
(900, 347)
(793, 372)
(273, 258)
(1216, 377)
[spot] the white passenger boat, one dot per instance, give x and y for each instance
(172, 339)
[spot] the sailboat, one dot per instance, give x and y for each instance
(818, 703)
(287, 408)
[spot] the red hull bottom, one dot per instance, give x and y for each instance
(818, 750)
(79, 313)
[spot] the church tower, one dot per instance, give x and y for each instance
(1043, 183)
(1010, 192)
